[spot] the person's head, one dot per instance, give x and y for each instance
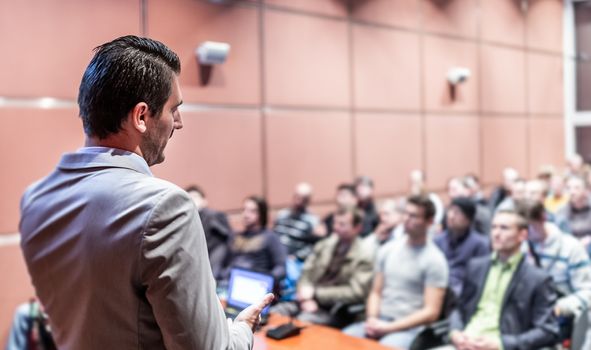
(557, 185)
(536, 190)
(418, 215)
(347, 223)
(472, 183)
(518, 189)
(130, 88)
(255, 213)
(545, 174)
(509, 176)
(456, 187)
(508, 231)
(197, 195)
(460, 214)
(575, 163)
(346, 197)
(417, 182)
(391, 215)
(364, 188)
(577, 191)
(535, 214)
(301, 196)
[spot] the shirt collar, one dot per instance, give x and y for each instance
(104, 157)
(511, 263)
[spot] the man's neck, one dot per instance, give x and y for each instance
(417, 240)
(457, 234)
(504, 256)
(119, 141)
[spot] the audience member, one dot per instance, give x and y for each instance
(364, 188)
(418, 188)
(575, 216)
(517, 193)
(337, 272)
(457, 187)
(510, 175)
(537, 191)
(460, 242)
(216, 228)
(256, 247)
(411, 277)
(506, 303)
(390, 227)
(472, 182)
(558, 196)
(298, 231)
(346, 198)
(296, 227)
(562, 256)
(30, 329)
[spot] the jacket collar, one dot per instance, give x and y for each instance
(104, 157)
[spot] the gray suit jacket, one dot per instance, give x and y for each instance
(119, 259)
(527, 318)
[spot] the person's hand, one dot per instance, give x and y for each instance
(485, 343)
(252, 314)
(305, 293)
(460, 340)
(376, 328)
(309, 306)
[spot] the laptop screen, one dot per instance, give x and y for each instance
(247, 287)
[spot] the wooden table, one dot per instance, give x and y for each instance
(313, 337)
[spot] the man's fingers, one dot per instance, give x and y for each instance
(267, 299)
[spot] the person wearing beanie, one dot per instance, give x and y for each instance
(459, 242)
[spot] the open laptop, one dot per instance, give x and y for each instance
(245, 288)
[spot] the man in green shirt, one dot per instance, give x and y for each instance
(506, 303)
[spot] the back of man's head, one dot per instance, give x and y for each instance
(123, 73)
(531, 210)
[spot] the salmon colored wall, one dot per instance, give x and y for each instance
(315, 90)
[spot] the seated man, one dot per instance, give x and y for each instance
(364, 187)
(345, 198)
(506, 303)
(460, 242)
(30, 329)
(216, 228)
(575, 216)
(338, 271)
(563, 257)
(410, 282)
(298, 231)
(256, 247)
(296, 227)
(390, 225)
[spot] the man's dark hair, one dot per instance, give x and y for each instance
(123, 73)
(195, 188)
(356, 214)
(347, 187)
(424, 202)
(531, 210)
(262, 208)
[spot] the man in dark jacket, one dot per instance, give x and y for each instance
(216, 228)
(506, 303)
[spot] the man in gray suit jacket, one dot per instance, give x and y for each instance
(506, 303)
(118, 257)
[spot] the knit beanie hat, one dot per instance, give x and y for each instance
(466, 205)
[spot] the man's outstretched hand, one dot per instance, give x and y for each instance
(252, 314)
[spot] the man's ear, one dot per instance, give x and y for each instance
(138, 117)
